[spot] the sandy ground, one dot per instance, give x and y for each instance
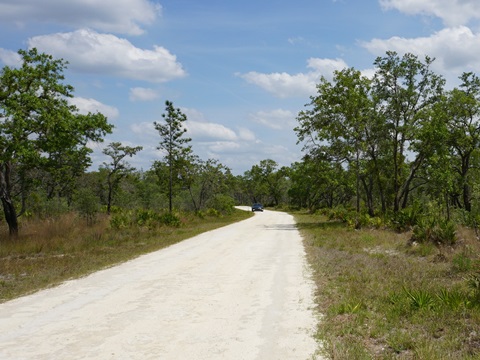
(239, 292)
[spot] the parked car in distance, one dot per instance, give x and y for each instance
(257, 207)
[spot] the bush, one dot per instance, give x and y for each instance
(222, 203)
(170, 219)
(439, 232)
(406, 218)
(87, 205)
(473, 283)
(120, 220)
(147, 218)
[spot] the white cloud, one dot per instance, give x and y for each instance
(91, 105)
(89, 51)
(202, 131)
(143, 94)
(454, 49)
(118, 16)
(285, 85)
(224, 147)
(326, 67)
(452, 12)
(10, 58)
(144, 129)
(278, 119)
(246, 134)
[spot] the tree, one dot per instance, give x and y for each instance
(117, 168)
(405, 88)
(462, 115)
(173, 143)
(340, 116)
(38, 128)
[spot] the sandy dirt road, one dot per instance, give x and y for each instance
(239, 292)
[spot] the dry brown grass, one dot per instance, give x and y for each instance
(48, 252)
(383, 298)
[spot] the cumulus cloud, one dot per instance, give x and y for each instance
(455, 49)
(10, 58)
(143, 94)
(118, 16)
(202, 131)
(452, 12)
(89, 51)
(224, 147)
(285, 85)
(85, 106)
(246, 134)
(278, 119)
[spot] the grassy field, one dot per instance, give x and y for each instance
(383, 297)
(48, 252)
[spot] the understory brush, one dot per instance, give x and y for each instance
(384, 296)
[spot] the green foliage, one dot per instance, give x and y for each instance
(420, 299)
(147, 218)
(120, 220)
(452, 299)
(87, 205)
(353, 219)
(170, 219)
(43, 207)
(436, 231)
(222, 203)
(42, 137)
(143, 218)
(117, 168)
(462, 261)
(174, 144)
(407, 218)
(352, 307)
(473, 283)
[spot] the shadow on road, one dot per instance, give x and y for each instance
(281, 227)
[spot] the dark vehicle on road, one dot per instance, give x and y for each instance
(257, 207)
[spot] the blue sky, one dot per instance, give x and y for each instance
(240, 70)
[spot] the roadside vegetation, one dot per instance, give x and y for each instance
(384, 295)
(48, 252)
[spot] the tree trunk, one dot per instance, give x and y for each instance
(467, 198)
(7, 203)
(193, 199)
(10, 216)
(9, 211)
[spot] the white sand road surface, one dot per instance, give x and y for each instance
(239, 292)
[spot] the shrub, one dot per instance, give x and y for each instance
(213, 212)
(169, 219)
(87, 205)
(120, 220)
(452, 299)
(420, 299)
(440, 232)
(406, 218)
(222, 203)
(148, 218)
(473, 283)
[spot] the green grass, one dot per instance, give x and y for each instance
(382, 298)
(51, 251)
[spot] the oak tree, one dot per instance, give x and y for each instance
(38, 126)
